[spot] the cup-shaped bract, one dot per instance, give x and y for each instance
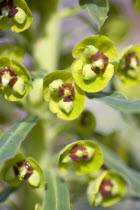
(19, 168)
(84, 156)
(15, 13)
(86, 122)
(91, 69)
(128, 67)
(65, 98)
(107, 189)
(15, 81)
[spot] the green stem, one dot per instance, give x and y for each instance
(46, 48)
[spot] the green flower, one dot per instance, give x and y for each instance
(15, 81)
(92, 70)
(85, 156)
(129, 66)
(16, 13)
(86, 123)
(65, 98)
(107, 189)
(19, 168)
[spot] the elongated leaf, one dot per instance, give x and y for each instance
(10, 141)
(117, 101)
(98, 10)
(4, 194)
(113, 162)
(56, 193)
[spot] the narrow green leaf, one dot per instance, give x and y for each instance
(117, 101)
(10, 141)
(98, 10)
(4, 194)
(56, 193)
(113, 162)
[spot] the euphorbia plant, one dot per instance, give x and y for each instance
(44, 112)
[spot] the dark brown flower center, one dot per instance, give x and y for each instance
(106, 187)
(67, 91)
(23, 169)
(8, 76)
(104, 60)
(9, 6)
(78, 153)
(131, 59)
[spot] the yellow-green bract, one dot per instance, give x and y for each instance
(107, 189)
(128, 66)
(8, 174)
(85, 77)
(67, 110)
(15, 81)
(84, 156)
(19, 20)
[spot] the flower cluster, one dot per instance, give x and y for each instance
(91, 72)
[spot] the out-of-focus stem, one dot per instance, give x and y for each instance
(46, 48)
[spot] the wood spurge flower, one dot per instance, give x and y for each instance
(92, 69)
(128, 68)
(19, 168)
(65, 97)
(16, 13)
(84, 156)
(106, 189)
(15, 82)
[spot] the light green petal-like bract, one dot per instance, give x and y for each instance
(94, 85)
(82, 167)
(102, 43)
